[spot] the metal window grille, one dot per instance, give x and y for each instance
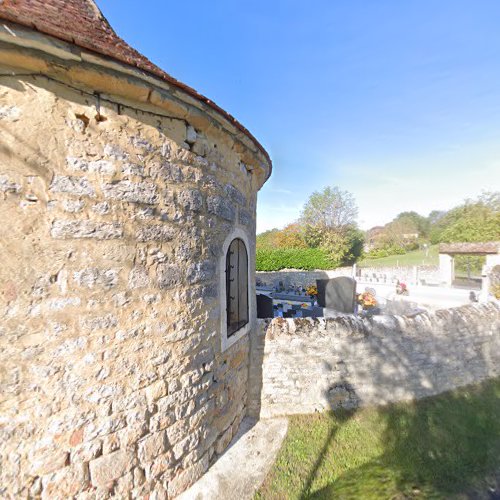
(236, 286)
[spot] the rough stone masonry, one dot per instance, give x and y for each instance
(305, 365)
(117, 192)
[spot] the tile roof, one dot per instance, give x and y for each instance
(81, 22)
(488, 247)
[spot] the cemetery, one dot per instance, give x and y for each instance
(332, 297)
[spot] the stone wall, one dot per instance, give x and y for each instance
(113, 219)
(411, 275)
(299, 278)
(306, 365)
(381, 275)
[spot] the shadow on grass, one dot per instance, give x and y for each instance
(340, 417)
(434, 448)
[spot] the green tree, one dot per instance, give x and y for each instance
(413, 222)
(267, 239)
(471, 222)
(291, 236)
(329, 222)
(331, 209)
(490, 199)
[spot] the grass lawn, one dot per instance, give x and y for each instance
(440, 447)
(415, 258)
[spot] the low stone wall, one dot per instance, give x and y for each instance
(306, 365)
(299, 278)
(382, 275)
(412, 275)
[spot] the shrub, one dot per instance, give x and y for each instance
(292, 258)
(378, 253)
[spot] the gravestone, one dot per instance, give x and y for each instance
(337, 293)
(264, 306)
(317, 312)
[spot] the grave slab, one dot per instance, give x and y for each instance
(337, 293)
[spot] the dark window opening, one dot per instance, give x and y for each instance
(236, 286)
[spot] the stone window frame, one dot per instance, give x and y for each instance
(226, 341)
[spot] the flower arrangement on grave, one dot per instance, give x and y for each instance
(367, 300)
(312, 291)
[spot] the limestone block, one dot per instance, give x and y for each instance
(76, 186)
(163, 466)
(47, 460)
(138, 278)
(101, 208)
(191, 135)
(156, 391)
(115, 151)
(168, 275)
(107, 468)
(184, 410)
(133, 169)
(159, 232)
(9, 186)
(167, 171)
(134, 192)
(66, 229)
(223, 441)
(184, 446)
(201, 271)
(10, 112)
(110, 443)
(73, 206)
(103, 393)
(139, 476)
(191, 200)
(131, 434)
(62, 303)
(86, 451)
(161, 420)
(151, 446)
(159, 493)
(187, 477)
(221, 207)
(65, 482)
(235, 194)
(97, 166)
(103, 426)
(141, 144)
(245, 217)
(177, 431)
(92, 277)
(124, 485)
(99, 322)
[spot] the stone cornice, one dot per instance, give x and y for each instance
(37, 53)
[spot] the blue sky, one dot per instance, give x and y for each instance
(396, 101)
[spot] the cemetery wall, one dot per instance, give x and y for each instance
(381, 275)
(114, 211)
(410, 275)
(299, 278)
(307, 365)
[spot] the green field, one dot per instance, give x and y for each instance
(415, 258)
(446, 446)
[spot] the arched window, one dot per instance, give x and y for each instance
(236, 286)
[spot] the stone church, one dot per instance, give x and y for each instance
(127, 246)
